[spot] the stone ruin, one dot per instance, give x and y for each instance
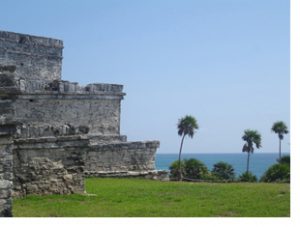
(54, 132)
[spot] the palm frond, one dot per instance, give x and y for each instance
(280, 127)
(252, 137)
(187, 126)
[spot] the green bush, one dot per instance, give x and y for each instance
(277, 173)
(191, 169)
(209, 177)
(247, 177)
(195, 169)
(223, 171)
(285, 160)
(174, 170)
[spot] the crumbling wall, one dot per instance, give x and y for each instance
(49, 165)
(61, 128)
(125, 156)
(6, 176)
(36, 58)
(66, 114)
(45, 104)
(7, 130)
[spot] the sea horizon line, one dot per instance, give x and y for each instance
(223, 153)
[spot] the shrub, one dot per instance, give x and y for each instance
(247, 177)
(174, 170)
(277, 173)
(223, 171)
(285, 160)
(191, 169)
(210, 177)
(195, 169)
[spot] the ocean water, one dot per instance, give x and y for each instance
(259, 162)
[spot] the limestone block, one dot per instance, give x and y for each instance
(5, 175)
(49, 165)
(2, 202)
(5, 184)
(121, 156)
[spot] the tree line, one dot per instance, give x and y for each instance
(182, 170)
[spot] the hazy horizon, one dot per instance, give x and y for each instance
(224, 62)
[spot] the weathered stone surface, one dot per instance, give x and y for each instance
(49, 165)
(5, 184)
(98, 114)
(6, 176)
(7, 68)
(125, 156)
(105, 139)
(56, 128)
(35, 58)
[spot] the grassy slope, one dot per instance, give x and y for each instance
(147, 198)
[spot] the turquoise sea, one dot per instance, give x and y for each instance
(259, 162)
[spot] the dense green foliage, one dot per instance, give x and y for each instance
(187, 126)
(223, 171)
(191, 169)
(195, 169)
(251, 137)
(279, 172)
(280, 128)
(148, 198)
(174, 170)
(285, 160)
(247, 177)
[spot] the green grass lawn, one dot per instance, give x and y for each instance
(148, 198)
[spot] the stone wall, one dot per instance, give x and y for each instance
(35, 58)
(49, 165)
(67, 114)
(7, 129)
(58, 128)
(6, 174)
(120, 157)
(57, 165)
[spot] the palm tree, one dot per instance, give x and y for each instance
(223, 171)
(186, 126)
(280, 128)
(252, 137)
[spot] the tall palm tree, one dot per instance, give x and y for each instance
(280, 128)
(252, 137)
(186, 127)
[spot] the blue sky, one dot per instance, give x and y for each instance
(226, 62)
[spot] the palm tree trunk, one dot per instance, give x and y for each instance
(248, 162)
(279, 149)
(179, 159)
